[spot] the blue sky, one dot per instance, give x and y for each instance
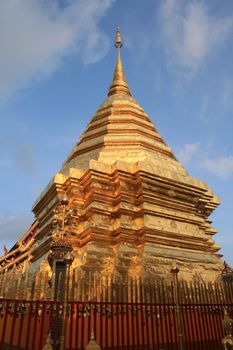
(56, 64)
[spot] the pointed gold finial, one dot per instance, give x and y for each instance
(92, 335)
(118, 43)
(92, 345)
(119, 84)
(48, 344)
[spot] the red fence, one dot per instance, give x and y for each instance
(26, 325)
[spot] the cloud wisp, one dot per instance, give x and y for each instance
(36, 35)
(190, 33)
(220, 166)
(200, 155)
(186, 154)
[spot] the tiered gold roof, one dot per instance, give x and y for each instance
(120, 130)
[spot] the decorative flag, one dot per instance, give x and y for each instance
(5, 250)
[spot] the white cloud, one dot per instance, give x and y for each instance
(190, 33)
(200, 154)
(221, 166)
(36, 35)
(187, 153)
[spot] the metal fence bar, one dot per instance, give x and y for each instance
(70, 328)
(77, 325)
(20, 330)
(117, 326)
(13, 324)
(5, 317)
(82, 325)
(35, 324)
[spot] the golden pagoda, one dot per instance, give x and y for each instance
(130, 207)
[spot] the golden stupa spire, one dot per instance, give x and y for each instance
(119, 84)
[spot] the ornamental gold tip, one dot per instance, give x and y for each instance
(119, 84)
(118, 43)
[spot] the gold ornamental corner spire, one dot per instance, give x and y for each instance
(119, 84)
